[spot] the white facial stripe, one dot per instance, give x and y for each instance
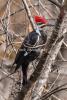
(26, 53)
(37, 31)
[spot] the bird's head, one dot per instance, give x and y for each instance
(40, 21)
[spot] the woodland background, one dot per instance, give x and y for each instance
(14, 26)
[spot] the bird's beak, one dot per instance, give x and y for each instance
(42, 25)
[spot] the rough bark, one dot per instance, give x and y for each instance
(42, 80)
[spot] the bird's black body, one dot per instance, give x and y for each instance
(25, 55)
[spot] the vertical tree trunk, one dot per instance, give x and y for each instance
(42, 80)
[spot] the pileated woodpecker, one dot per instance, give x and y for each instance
(26, 55)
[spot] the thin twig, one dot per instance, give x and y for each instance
(57, 98)
(18, 11)
(54, 82)
(34, 47)
(61, 57)
(46, 9)
(29, 14)
(65, 44)
(55, 3)
(34, 8)
(53, 92)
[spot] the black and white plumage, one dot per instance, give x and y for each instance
(25, 55)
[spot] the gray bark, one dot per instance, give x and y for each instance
(42, 80)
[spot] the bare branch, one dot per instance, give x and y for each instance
(56, 98)
(46, 9)
(55, 3)
(61, 57)
(34, 8)
(29, 14)
(53, 91)
(65, 44)
(18, 11)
